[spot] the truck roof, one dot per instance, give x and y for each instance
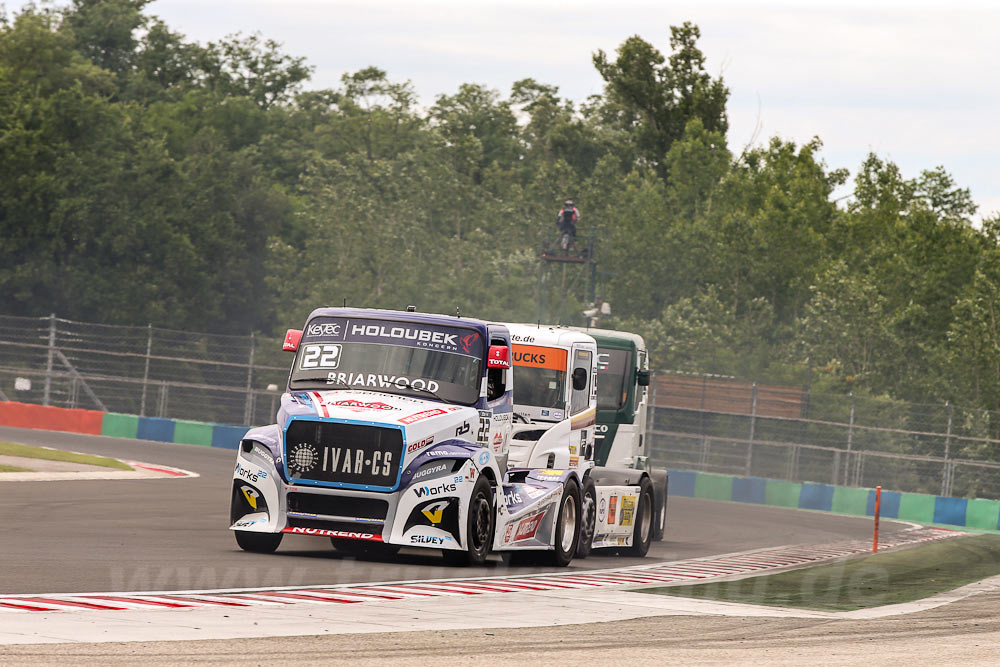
(611, 336)
(401, 315)
(546, 336)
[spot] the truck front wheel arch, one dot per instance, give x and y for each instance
(567, 534)
(660, 480)
(480, 522)
(588, 517)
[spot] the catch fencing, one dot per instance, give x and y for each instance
(147, 371)
(787, 434)
(695, 423)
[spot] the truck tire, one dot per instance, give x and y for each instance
(258, 543)
(642, 532)
(567, 527)
(659, 506)
(588, 518)
(480, 521)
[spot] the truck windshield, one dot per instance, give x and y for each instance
(539, 387)
(613, 370)
(540, 377)
(412, 359)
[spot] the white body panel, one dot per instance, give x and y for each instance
(616, 508)
(525, 513)
(628, 447)
(567, 442)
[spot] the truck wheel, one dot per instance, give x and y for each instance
(660, 507)
(362, 548)
(567, 527)
(258, 543)
(479, 528)
(642, 532)
(588, 518)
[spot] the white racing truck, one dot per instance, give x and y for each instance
(394, 431)
(623, 379)
(555, 410)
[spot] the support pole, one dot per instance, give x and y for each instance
(878, 508)
(145, 373)
(248, 410)
(945, 476)
(538, 291)
(753, 429)
(47, 395)
(850, 444)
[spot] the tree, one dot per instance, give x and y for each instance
(480, 128)
(771, 219)
(696, 164)
(164, 65)
(148, 178)
(654, 98)
(937, 190)
(105, 31)
(974, 333)
(845, 327)
(912, 236)
(252, 67)
(372, 115)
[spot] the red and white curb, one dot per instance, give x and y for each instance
(141, 471)
(656, 574)
(162, 470)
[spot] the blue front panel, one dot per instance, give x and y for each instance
(342, 485)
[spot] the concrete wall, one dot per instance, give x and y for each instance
(978, 514)
(92, 422)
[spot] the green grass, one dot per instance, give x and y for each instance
(4, 468)
(872, 581)
(27, 451)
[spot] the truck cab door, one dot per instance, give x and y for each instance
(582, 388)
(641, 404)
(496, 420)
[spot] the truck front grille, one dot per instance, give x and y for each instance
(350, 454)
(314, 503)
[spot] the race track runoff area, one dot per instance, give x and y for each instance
(541, 600)
(71, 574)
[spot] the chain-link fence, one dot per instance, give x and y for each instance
(695, 423)
(833, 439)
(145, 371)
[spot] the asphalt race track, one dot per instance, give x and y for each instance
(171, 534)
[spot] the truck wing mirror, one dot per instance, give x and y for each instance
(642, 378)
(292, 339)
(579, 379)
(499, 357)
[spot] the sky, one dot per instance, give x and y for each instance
(916, 82)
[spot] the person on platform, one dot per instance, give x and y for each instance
(567, 220)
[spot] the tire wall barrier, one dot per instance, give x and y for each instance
(92, 422)
(975, 513)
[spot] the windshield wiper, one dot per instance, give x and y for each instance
(323, 380)
(427, 391)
